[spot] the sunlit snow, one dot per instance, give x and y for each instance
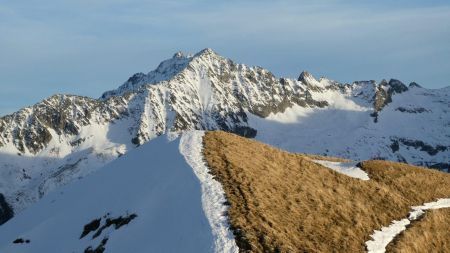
(381, 238)
(349, 169)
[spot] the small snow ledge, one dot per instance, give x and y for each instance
(213, 195)
(348, 169)
(381, 238)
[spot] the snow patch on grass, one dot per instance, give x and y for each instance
(381, 238)
(213, 195)
(348, 169)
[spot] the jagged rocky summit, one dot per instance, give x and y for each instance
(66, 137)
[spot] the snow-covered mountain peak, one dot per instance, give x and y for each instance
(166, 70)
(207, 51)
(66, 137)
(307, 78)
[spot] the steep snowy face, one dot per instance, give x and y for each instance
(61, 138)
(149, 200)
(67, 137)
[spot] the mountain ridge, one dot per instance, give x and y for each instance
(65, 137)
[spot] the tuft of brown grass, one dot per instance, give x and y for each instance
(283, 202)
(429, 234)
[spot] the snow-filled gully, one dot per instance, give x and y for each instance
(381, 238)
(213, 195)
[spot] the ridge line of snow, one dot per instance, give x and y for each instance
(381, 238)
(213, 195)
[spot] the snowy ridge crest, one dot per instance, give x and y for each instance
(213, 195)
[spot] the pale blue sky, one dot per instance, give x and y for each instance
(86, 47)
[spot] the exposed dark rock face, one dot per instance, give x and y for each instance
(395, 146)
(99, 249)
(412, 110)
(414, 85)
(383, 94)
(90, 227)
(116, 222)
(6, 211)
(21, 241)
(396, 86)
(417, 144)
(245, 131)
(77, 142)
(94, 226)
(439, 166)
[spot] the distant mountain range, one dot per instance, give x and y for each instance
(66, 137)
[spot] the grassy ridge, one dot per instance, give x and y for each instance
(283, 202)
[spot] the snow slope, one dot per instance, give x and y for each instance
(154, 182)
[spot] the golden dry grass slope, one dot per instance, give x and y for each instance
(284, 202)
(429, 234)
